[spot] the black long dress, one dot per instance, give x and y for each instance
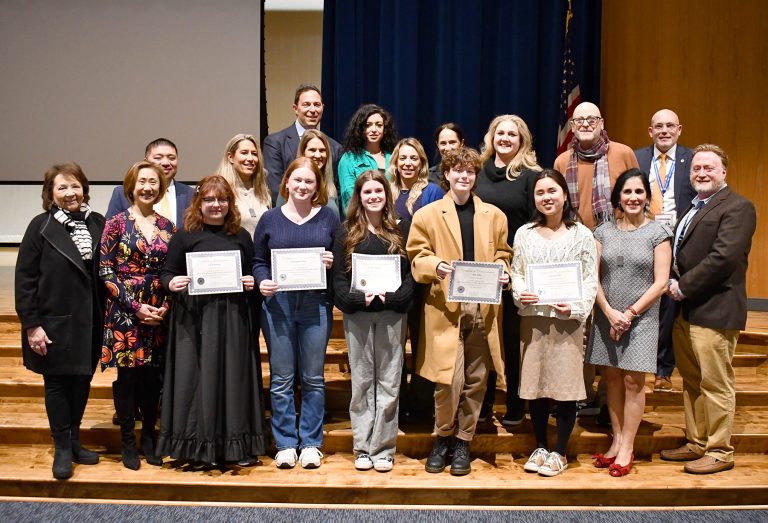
(212, 398)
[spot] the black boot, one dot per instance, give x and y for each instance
(80, 454)
(148, 445)
(62, 455)
(439, 456)
(128, 444)
(460, 464)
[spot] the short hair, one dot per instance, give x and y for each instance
(321, 195)
(570, 217)
(129, 180)
(157, 143)
(525, 157)
(354, 135)
(327, 172)
(193, 216)
(70, 169)
(463, 156)
(712, 148)
(618, 186)
(303, 88)
(451, 127)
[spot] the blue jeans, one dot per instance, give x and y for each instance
(296, 327)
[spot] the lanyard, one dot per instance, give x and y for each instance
(670, 172)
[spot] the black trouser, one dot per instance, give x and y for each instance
(511, 341)
(416, 396)
(65, 400)
(665, 361)
(137, 385)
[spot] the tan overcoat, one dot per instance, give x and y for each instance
(434, 237)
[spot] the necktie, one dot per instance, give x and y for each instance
(657, 198)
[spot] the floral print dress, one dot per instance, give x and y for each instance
(130, 266)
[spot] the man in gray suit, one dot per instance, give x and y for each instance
(279, 149)
(668, 164)
(711, 247)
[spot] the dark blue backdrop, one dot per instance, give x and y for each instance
(433, 61)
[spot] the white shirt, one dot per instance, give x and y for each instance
(171, 195)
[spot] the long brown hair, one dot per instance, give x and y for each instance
(357, 222)
(193, 216)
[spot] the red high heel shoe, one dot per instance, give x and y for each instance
(617, 471)
(602, 462)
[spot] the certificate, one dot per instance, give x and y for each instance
(214, 272)
(475, 282)
(298, 269)
(375, 273)
(555, 282)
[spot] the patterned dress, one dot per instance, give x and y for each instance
(130, 267)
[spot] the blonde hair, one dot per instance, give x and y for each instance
(421, 182)
(327, 170)
(525, 157)
(259, 178)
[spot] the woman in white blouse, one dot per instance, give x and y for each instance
(552, 334)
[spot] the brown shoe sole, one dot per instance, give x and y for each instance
(679, 456)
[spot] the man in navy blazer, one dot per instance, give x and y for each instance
(164, 153)
(711, 248)
(676, 195)
(279, 149)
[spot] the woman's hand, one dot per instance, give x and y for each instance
(563, 308)
(328, 259)
(38, 340)
(149, 315)
(179, 283)
(248, 282)
(443, 270)
(267, 287)
(504, 279)
(528, 298)
(616, 335)
(618, 320)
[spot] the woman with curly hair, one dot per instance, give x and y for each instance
(506, 181)
(243, 167)
(133, 250)
(212, 393)
(368, 143)
(374, 322)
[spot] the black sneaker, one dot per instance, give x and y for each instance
(485, 410)
(460, 465)
(603, 419)
(588, 409)
(438, 458)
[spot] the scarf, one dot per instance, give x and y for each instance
(74, 222)
(601, 181)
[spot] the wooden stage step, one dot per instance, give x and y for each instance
(494, 481)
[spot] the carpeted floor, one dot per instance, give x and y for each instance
(11, 511)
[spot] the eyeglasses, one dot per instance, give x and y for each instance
(591, 120)
(669, 126)
(709, 169)
(221, 201)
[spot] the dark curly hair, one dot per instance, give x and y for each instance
(354, 136)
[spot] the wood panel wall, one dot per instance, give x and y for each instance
(708, 61)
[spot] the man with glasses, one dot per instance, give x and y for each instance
(710, 249)
(280, 148)
(668, 165)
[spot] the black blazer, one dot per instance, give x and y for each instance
(712, 261)
(279, 150)
(684, 193)
(184, 194)
(55, 289)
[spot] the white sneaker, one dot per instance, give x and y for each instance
(554, 465)
(384, 464)
(310, 457)
(363, 462)
(286, 459)
(536, 460)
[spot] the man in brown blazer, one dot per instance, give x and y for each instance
(710, 250)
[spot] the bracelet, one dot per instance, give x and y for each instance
(633, 311)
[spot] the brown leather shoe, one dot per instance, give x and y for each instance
(662, 384)
(707, 465)
(683, 453)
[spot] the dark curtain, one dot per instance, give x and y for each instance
(435, 61)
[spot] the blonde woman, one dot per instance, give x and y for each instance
(408, 172)
(506, 181)
(243, 167)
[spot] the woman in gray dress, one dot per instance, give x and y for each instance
(635, 253)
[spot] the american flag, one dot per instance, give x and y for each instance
(570, 96)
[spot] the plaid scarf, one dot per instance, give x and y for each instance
(74, 222)
(601, 181)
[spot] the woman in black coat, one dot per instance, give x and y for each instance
(59, 299)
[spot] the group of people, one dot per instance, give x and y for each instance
(654, 238)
